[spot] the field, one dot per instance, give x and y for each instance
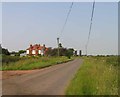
(96, 76)
(29, 63)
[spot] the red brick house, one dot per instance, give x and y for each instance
(36, 49)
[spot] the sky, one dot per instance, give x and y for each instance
(41, 23)
(59, 0)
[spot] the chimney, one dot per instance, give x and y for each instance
(43, 45)
(30, 45)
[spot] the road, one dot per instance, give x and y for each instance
(48, 81)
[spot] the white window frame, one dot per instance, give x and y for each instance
(39, 51)
(27, 51)
(33, 51)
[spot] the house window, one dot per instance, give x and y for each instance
(33, 51)
(39, 52)
(27, 51)
(42, 52)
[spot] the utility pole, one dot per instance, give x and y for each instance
(58, 46)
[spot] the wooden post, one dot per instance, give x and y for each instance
(58, 46)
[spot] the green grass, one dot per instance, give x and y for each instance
(33, 63)
(96, 76)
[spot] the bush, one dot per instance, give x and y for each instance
(8, 59)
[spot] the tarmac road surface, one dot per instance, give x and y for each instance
(48, 81)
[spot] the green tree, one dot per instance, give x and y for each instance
(15, 53)
(60, 45)
(69, 52)
(5, 51)
(22, 51)
(48, 52)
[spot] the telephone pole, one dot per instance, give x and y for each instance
(58, 46)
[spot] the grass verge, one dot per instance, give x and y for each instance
(34, 63)
(97, 76)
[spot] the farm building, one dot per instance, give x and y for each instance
(36, 49)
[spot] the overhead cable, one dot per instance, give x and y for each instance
(62, 30)
(93, 7)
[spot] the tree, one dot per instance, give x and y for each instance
(69, 52)
(5, 51)
(63, 51)
(60, 45)
(15, 53)
(54, 52)
(48, 52)
(22, 51)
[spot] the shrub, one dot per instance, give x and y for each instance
(8, 59)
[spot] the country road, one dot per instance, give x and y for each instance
(48, 81)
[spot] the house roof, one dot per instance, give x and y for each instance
(36, 46)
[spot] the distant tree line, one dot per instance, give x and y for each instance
(18, 53)
(50, 52)
(4, 51)
(62, 52)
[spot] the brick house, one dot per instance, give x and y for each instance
(36, 49)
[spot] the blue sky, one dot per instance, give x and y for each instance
(30, 23)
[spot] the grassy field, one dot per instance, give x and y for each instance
(97, 76)
(28, 63)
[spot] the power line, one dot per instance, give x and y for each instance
(66, 19)
(64, 26)
(93, 7)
